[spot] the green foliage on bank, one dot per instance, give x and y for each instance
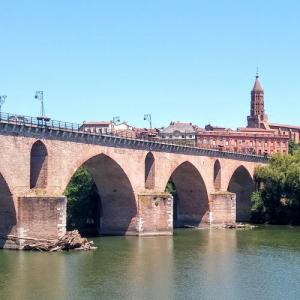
(293, 147)
(170, 188)
(277, 199)
(83, 203)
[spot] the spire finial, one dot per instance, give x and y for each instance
(257, 74)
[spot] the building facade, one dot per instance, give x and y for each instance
(260, 142)
(259, 119)
(179, 133)
(260, 137)
(101, 127)
(108, 127)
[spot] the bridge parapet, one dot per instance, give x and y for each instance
(11, 124)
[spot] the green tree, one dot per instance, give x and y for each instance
(277, 199)
(293, 146)
(83, 206)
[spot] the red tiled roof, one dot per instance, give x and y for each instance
(284, 126)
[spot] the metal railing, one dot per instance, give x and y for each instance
(37, 121)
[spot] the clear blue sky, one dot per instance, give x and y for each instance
(178, 60)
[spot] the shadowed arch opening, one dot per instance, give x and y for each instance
(190, 196)
(217, 175)
(38, 165)
(116, 207)
(242, 184)
(7, 211)
(149, 171)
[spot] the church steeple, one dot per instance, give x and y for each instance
(257, 99)
(257, 86)
(257, 118)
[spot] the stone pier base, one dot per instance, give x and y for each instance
(38, 218)
(42, 217)
(222, 207)
(155, 214)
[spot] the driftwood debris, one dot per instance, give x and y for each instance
(72, 240)
(238, 226)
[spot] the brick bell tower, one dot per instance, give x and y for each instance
(257, 118)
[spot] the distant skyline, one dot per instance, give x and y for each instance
(190, 61)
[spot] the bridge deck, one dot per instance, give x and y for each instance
(12, 124)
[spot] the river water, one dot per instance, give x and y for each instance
(262, 263)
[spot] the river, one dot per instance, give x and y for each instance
(262, 263)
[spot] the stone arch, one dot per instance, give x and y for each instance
(38, 165)
(149, 171)
(191, 198)
(118, 202)
(242, 184)
(217, 175)
(7, 211)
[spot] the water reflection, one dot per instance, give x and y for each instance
(28, 275)
(193, 264)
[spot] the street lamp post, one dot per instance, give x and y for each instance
(2, 101)
(39, 95)
(147, 117)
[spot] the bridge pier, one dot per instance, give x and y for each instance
(155, 214)
(44, 217)
(39, 217)
(222, 208)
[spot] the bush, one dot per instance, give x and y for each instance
(258, 208)
(277, 199)
(83, 206)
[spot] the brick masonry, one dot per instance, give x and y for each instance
(222, 208)
(155, 214)
(41, 217)
(119, 173)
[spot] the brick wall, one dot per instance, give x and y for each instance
(42, 217)
(155, 214)
(222, 208)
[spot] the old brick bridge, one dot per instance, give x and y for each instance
(38, 159)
